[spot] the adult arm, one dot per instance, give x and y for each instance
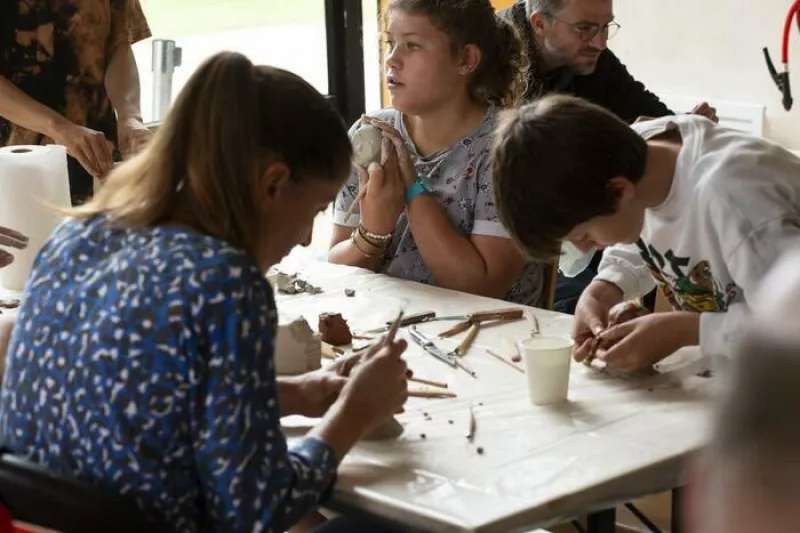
(22, 110)
(128, 26)
(122, 84)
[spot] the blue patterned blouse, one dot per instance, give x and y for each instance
(142, 362)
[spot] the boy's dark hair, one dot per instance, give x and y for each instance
(500, 79)
(553, 160)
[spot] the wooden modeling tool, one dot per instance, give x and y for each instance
(504, 360)
(472, 425)
(393, 330)
(469, 338)
(438, 384)
(431, 394)
(511, 313)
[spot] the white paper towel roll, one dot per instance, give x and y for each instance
(32, 178)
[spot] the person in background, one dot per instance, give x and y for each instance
(11, 239)
(68, 76)
(697, 209)
(428, 214)
(748, 478)
(566, 42)
(142, 360)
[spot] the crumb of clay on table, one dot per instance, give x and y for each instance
(291, 283)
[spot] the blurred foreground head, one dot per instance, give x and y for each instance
(749, 479)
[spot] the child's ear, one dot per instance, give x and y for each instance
(273, 180)
(625, 189)
(470, 60)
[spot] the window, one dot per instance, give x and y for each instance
(291, 34)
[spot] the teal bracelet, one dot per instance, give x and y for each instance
(416, 188)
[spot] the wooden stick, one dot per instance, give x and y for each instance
(469, 338)
(508, 313)
(352, 207)
(432, 383)
(504, 360)
(393, 329)
(431, 394)
(455, 330)
(471, 432)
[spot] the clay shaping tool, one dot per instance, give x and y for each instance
(506, 314)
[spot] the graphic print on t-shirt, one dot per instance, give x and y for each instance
(688, 285)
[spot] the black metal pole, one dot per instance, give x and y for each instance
(602, 522)
(677, 510)
(345, 40)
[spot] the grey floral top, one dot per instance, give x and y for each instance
(461, 177)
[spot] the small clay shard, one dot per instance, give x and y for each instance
(291, 284)
(312, 289)
(349, 293)
(333, 329)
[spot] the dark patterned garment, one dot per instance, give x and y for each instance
(142, 363)
(57, 52)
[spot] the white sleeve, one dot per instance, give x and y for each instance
(748, 263)
(622, 265)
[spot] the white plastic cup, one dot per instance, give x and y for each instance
(547, 363)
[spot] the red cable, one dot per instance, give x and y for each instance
(787, 28)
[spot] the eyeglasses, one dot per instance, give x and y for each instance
(589, 30)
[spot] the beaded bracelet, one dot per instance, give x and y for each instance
(381, 244)
(377, 237)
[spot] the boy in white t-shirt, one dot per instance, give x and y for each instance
(701, 210)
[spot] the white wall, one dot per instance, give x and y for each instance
(712, 49)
